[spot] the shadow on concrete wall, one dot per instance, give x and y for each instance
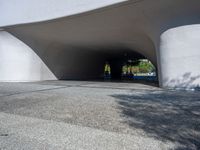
(187, 80)
(167, 116)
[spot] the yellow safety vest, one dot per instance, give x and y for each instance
(107, 68)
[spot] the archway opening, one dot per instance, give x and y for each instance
(130, 67)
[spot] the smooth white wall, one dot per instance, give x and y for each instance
(19, 63)
(180, 57)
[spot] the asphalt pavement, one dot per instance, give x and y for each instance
(84, 115)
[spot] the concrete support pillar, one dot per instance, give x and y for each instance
(18, 62)
(179, 57)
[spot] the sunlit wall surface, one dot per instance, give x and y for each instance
(19, 63)
(180, 57)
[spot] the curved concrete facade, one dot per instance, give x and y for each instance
(74, 39)
(180, 57)
(19, 62)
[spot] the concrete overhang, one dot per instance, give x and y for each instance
(112, 28)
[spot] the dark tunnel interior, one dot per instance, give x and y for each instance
(90, 65)
(117, 62)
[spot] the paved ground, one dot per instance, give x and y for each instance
(97, 115)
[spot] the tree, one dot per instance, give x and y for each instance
(146, 67)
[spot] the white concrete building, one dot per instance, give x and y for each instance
(66, 39)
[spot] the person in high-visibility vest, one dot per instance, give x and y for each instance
(107, 71)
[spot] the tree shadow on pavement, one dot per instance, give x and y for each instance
(165, 115)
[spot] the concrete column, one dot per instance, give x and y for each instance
(179, 57)
(18, 62)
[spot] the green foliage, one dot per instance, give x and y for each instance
(145, 67)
